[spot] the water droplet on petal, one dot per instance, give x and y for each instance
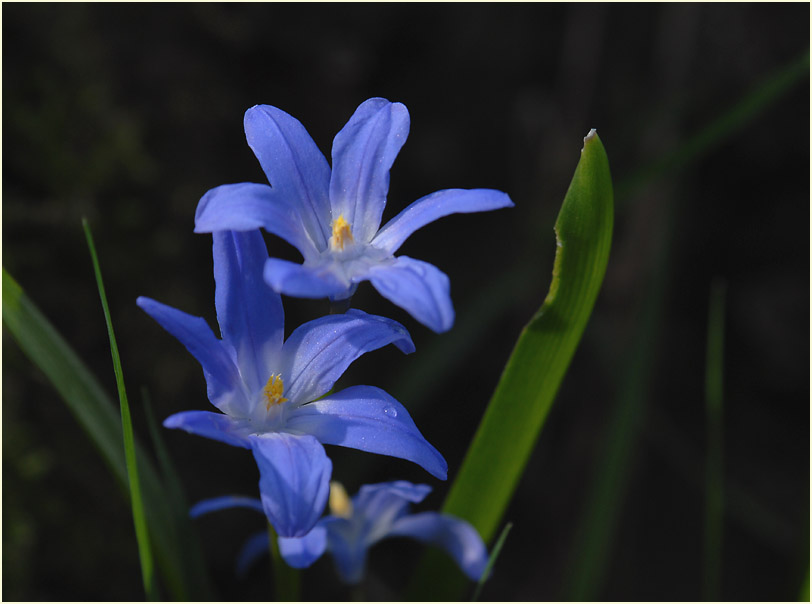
(391, 411)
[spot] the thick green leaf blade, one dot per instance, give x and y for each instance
(516, 413)
(178, 558)
(136, 501)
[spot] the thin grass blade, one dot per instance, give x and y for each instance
(137, 503)
(517, 411)
(497, 549)
(714, 469)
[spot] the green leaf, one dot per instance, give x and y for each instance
(177, 555)
(516, 413)
(136, 502)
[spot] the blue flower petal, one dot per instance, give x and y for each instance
(295, 167)
(302, 281)
(458, 538)
(226, 502)
(216, 426)
(383, 503)
(431, 207)
(247, 206)
(368, 419)
(317, 353)
(363, 152)
(294, 480)
(301, 552)
(372, 499)
(419, 288)
(248, 310)
(223, 382)
(348, 548)
(254, 547)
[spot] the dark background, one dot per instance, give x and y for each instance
(127, 114)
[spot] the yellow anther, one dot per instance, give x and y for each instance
(340, 503)
(341, 233)
(273, 391)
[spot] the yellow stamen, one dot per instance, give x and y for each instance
(273, 391)
(341, 233)
(340, 503)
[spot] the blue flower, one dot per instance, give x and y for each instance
(333, 216)
(376, 512)
(268, 390)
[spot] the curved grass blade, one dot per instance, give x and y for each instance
(137, 503)
(519, 406)
(184, 574)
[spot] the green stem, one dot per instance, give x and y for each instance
(287, 586)
(339, 307)
(714, 470)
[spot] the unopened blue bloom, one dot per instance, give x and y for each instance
(376, 512)
(333, 216)
(267, 389)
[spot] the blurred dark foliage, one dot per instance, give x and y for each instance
(128, 113)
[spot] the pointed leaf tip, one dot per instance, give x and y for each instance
(590, 136)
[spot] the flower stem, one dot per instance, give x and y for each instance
(286, 583)
(339, 307)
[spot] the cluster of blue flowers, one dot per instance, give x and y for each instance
(275, 395)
